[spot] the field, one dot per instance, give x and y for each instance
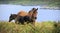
(40, 27)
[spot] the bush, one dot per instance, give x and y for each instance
(56, 27)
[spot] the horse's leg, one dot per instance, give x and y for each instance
(22, 23)
(21, 20)
(33, 22)
(16, 19)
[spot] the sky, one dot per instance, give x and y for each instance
(43, 14)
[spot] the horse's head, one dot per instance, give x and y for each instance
(33, 10)
(12, 17)
(34, 14)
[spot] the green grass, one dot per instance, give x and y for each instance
(40, 27)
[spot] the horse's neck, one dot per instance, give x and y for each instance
(30, 13)
(15, 16)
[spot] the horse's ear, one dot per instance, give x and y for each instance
(33, 8)
(37, 9)
(10, 14)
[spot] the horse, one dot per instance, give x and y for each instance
(30, 16)
(33, 16)
(22, 16)
(12, 17)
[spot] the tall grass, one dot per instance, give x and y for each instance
(40, 27)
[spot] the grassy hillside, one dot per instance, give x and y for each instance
(40, 27)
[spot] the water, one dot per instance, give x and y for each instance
(43, 14)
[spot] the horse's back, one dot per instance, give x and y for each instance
(22, 13)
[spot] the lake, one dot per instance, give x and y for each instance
(43, 14)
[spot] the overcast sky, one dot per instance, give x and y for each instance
(43, 14)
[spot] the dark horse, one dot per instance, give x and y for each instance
(21, 19)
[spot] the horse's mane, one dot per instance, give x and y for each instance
(14, 15)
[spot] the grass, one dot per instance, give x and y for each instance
(40, 27)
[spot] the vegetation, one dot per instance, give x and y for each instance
(56, 27)
(40, 27)
(32, 2)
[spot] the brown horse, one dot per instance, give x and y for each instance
(34, 16)
(30, 16)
